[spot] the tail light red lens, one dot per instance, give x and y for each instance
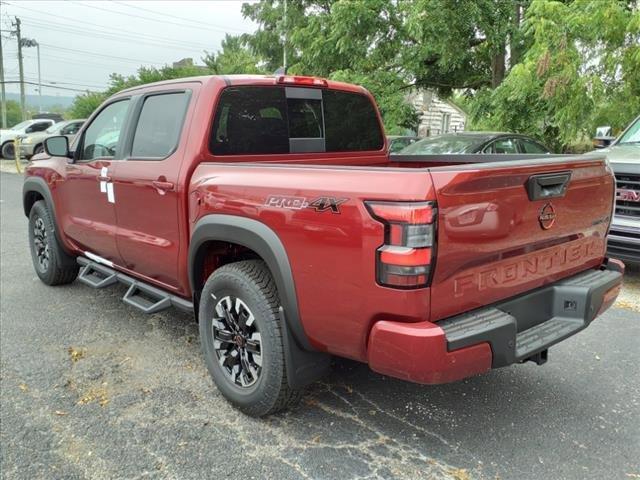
(405, 258)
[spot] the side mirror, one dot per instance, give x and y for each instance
(603, 137)
(57, 146)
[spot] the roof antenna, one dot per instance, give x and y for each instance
(280, 71)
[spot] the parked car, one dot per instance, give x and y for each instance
(56, 117)
(33, 143)
(475, 142)
(270, 208)
(9, 135)
(624, 156)
(398, 142)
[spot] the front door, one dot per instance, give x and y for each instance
(87, 195)
(150, 215)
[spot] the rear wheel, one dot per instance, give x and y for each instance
(52, 264)
(241, 338)
(8, 150)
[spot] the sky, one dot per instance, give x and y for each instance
(83, 42)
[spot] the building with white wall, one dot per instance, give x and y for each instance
(437, 116)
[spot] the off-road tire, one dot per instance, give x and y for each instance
(252, 283)
(61, 268)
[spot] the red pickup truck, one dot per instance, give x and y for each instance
(269, 206)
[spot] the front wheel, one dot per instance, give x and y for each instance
(8, 150)
(241, 338)
(52, 264)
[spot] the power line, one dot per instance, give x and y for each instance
(116, 37)
(109, 29)
(164, 22)
(125, 59)
(49, 86)
(81, 63)
(54, 81)
(208, 25)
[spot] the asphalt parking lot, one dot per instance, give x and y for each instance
(91, 388)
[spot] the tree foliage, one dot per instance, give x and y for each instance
(234, 58)
(553, 69)
(550, 68)
(582, 69)
(14, 114)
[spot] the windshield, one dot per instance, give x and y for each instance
(56, 127)
(632, 135)
(21, 125)
(444, 144)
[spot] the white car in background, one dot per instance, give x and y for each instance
(23, 128)
(624, 156)
(33, 143)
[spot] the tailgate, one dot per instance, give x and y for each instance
(508, 227)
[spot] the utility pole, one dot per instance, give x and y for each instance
(3, 105)
(22, 99)
(39, 81)
(284, 43)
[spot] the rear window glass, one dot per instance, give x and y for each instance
(272, 120)
(159, 125)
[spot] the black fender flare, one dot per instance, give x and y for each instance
(261, 239)
(40, 186)
(303, 363)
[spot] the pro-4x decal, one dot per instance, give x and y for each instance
(320, 204)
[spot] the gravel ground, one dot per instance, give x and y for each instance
(91, 388)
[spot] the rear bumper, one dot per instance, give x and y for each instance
(510, 331)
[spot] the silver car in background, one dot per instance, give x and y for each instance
(624, 157)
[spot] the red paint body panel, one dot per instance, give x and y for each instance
(488, 234)
(418, 352)
(491, 245)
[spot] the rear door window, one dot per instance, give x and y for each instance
(276, 120)
(159, 125)
(529, 146)
(505, 145)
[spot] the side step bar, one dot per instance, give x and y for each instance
(141, 295)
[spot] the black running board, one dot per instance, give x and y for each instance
(141, 295)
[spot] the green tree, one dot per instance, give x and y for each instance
(85, 103)
(392, 45)
(14, 114)
(581, 69)
(234, 58)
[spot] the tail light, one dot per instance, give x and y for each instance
(405, 259)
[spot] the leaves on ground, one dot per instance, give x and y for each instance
(76, 354)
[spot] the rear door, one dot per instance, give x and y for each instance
(508, 227)
(147, 199)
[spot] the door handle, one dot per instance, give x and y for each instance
(104, 179)
(163, 186)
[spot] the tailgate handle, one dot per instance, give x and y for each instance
(548, 185)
